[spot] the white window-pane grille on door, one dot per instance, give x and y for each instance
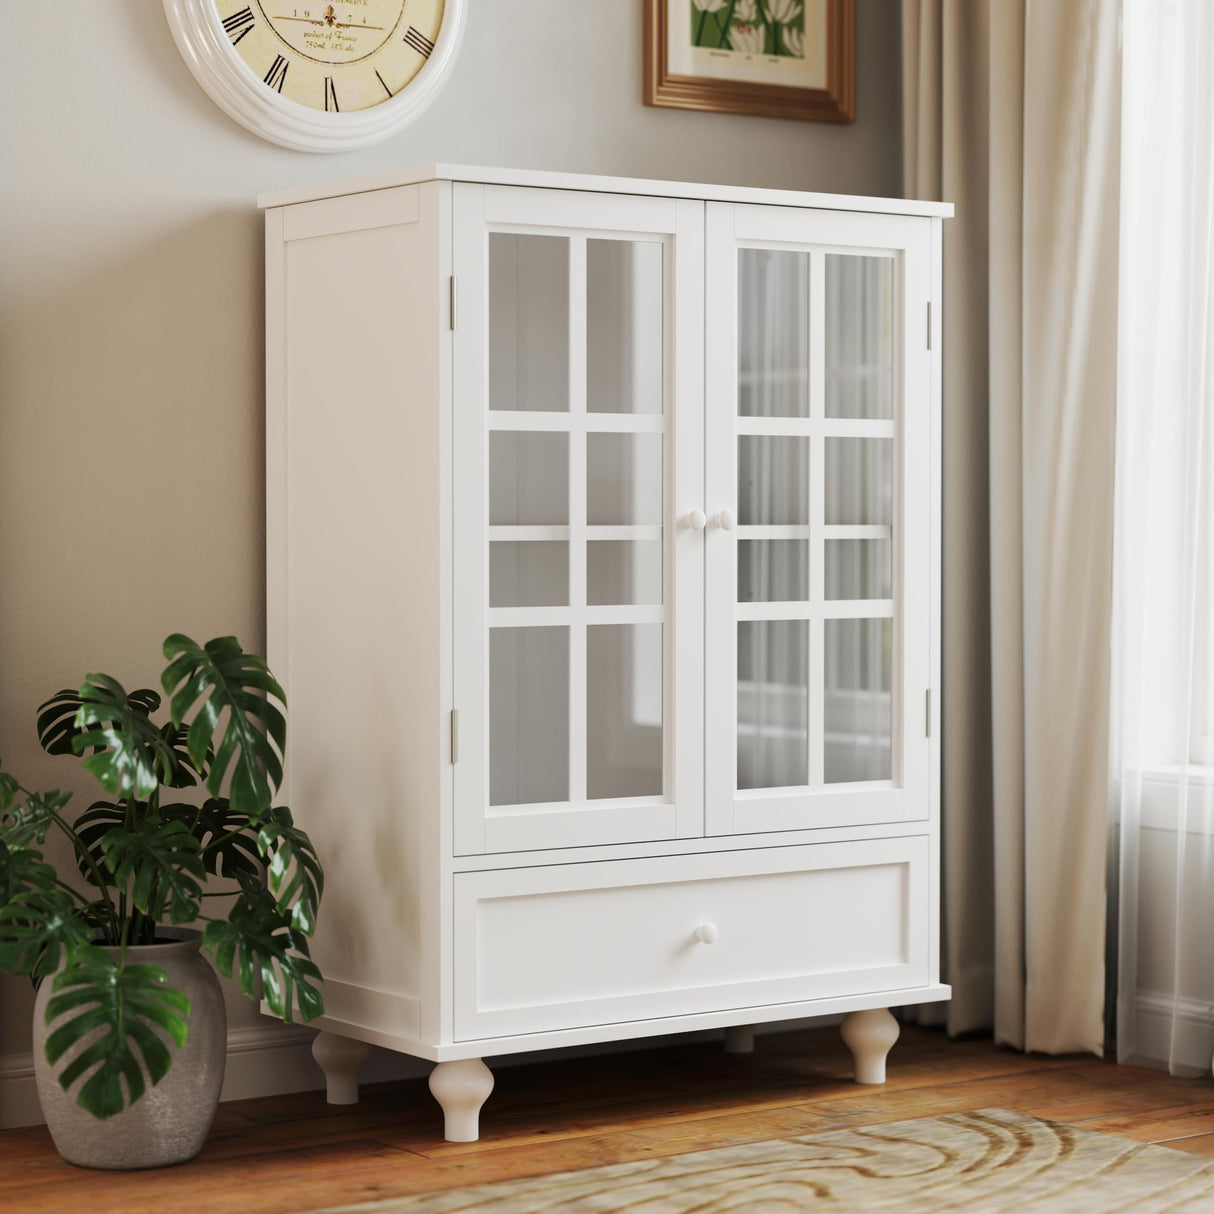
(813, 556)
(787, 523)
(577, 387)
(577, 459)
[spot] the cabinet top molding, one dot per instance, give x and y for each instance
(603, 185)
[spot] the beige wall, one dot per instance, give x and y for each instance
(130, 307)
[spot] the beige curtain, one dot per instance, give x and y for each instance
(1011, 111)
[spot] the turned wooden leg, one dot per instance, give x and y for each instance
(740, 1039)
(870, 1035)
(342, 1060)
(461, 1088)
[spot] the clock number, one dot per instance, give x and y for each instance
(277, 73)
(419, 42)
(381, 80)
(331, 95)
(239, 24)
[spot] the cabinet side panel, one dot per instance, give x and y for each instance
(354, 618)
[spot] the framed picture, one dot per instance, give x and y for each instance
(778, 58)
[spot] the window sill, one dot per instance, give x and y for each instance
(1159, 806)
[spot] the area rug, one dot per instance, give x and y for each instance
(975, 1163)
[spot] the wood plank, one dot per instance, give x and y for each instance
(1159, 1125)
(285, 1170)
(1202, 1144)
(649, 1118)
(734, 1128)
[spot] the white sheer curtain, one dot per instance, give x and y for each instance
(1163, 696)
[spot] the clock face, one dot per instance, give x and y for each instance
(342, 57)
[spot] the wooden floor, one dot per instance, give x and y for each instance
(295, 1153)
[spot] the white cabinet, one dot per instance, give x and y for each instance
(602, 564)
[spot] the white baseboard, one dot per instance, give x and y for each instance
(18, 1095)
(1190, 1050)
(263, 1061)
(274, 1059)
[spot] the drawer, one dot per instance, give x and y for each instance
(574, 945)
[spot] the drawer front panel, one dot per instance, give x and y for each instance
(543, 949)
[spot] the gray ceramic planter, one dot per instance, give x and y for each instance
(170, 1122)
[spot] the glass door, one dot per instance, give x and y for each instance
(818, 490)
(577, 592)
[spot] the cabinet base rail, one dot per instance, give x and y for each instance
(462, 1086)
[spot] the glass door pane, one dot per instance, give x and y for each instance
(859, 480)
(623, 572)
(773, 333)
(859, 324)
(859, 569)
(528, 715)
(773, 703)
(858, 715)
(623, 479)
(624, 711)
(528, 322)
(773, 479)
(528, 477)
(528, 573)
(773, 571)
(623, 326)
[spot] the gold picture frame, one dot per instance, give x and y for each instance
(702, 55)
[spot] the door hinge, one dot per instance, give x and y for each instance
(929, 324)
(451, 299)
(455, 735)
(929, 712)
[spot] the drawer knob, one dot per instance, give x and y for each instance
(727, 520)
(706, 933)
(694, 520)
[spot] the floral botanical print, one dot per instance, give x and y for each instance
(752, 27)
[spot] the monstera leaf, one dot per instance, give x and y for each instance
(259, 937)
(22, 868)
(187, 772)
(91, 827)
(57, 727)
(9, 788)
(30, 821)
(221, 676)
(228, 848)
(130, 755)
(38, 920)
(295, 875)
(159, 862)
(128, 1003)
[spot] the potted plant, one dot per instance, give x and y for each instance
(129, 1025)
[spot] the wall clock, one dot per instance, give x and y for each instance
(319, 77)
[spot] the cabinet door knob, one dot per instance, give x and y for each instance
(706, 933)
(726, 520)
(694, 520)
